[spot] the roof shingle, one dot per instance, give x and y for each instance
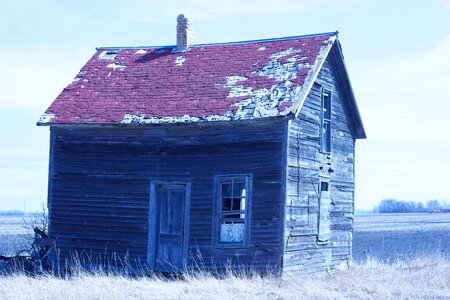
(233, 81)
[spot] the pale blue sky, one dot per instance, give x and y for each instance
(397, 54)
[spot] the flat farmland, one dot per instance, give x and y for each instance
(14, 234)
(391, 237)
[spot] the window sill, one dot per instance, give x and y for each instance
(234, 246)
(323, 242)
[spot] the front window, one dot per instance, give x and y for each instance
(233, 202)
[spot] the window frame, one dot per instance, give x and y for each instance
(218, 181)
(323, 182)
(324, 120)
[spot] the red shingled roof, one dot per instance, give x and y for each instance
(233, 81)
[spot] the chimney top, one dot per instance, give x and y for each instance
(185, 33)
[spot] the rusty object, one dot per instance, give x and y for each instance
(32, 261)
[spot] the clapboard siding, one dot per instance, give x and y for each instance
(101, 187)
(302, 251)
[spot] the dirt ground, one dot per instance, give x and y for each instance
(389, 237)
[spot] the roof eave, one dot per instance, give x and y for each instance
(359, 131)
(312, 76)
(279, 118)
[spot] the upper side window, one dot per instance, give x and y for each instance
(326, 121)
(234, 195)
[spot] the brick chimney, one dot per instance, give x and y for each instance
(185, 33)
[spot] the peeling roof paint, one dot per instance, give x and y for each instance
(180, 60)
(219, 82)
(117, 65)
(45, 118)
(108, 54)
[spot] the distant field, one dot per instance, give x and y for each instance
(388, 237)
(14, 236)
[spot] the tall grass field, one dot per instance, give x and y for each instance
(395, 257)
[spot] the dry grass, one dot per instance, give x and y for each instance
(422, 278)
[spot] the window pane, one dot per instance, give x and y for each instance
(236, 204)
(239, 189)
(227, 190)
(326, 136)
(232, 233)
(324, 186)
(326, 106)
(227, 204)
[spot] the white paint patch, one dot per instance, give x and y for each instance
(285, 53)
(141, 119)
(265, 102)
(262, 48)
(180, 60)
(117, 65)
(236, 90)
(260, 103)
(108, 54)
(45, 118)
(281, 72)
(141, 51)
(231, 80)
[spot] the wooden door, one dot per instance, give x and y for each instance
(169, 207)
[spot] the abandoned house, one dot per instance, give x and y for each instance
(210, 156)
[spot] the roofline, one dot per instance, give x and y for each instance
(309, 81)
(361, 132)
(226, 43)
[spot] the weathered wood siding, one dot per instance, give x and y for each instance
(305, 165)
(100, 188)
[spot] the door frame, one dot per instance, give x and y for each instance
(153, 217)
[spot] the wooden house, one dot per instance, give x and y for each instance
(209, 156)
